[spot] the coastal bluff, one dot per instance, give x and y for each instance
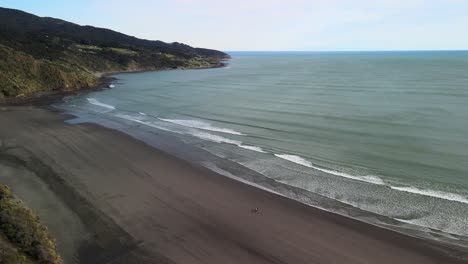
(46, 55)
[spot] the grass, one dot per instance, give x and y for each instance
(168, 56)
(88, 47)
(22, 228)
(92, 48)
(123, 51)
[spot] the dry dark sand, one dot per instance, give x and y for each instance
(109, 198)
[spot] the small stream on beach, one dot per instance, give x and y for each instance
(381, 132)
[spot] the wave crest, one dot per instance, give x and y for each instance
(201, 125)
(433, 193)
(301, 161)
(95, 101)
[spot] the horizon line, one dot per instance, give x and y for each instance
(396, 50)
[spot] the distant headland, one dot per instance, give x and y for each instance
(43, 55)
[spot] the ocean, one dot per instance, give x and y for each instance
(382, 134)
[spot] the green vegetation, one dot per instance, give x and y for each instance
(11, 255)
(94, 49)
(168, 56)
(88, 48)
(40, 54)
(23, 238)
(21, 74)
(123, 51)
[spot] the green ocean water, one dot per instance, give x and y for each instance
(382, 131)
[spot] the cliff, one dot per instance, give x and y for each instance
(43, 55)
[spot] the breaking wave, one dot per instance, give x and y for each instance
(433, 193)
(94, 101)
(220, 139)
(202, 125)
(301, 161)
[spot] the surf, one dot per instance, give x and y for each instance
(201, 125)
(301, 161)
(95, 101)
(433, 193)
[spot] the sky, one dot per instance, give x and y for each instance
(273, 25)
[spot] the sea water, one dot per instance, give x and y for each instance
(384, 132)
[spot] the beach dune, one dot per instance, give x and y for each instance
(137, 204)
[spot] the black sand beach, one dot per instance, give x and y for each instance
(109, 198)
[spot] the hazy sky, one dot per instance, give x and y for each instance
(273, 24)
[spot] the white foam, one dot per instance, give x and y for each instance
(130, 117)
(254, 148)
(94, 101)
(220, 139)
(230, 175)
(410, 221)
(215, 138)
(366, 178)
(433, 193)
(201, 125)
(295, 159)
(137, 120)
(449, 231)
(196, 133)
(141, 113)
(301, 161)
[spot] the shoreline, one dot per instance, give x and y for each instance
(200, 157)
(104, 80)
(193, 213)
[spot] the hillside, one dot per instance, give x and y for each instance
(42, 54)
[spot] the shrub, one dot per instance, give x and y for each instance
(10, 255)
(23, 229)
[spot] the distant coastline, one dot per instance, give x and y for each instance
(104, 80)
(47, 57)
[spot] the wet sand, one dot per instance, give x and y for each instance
(126, 202)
